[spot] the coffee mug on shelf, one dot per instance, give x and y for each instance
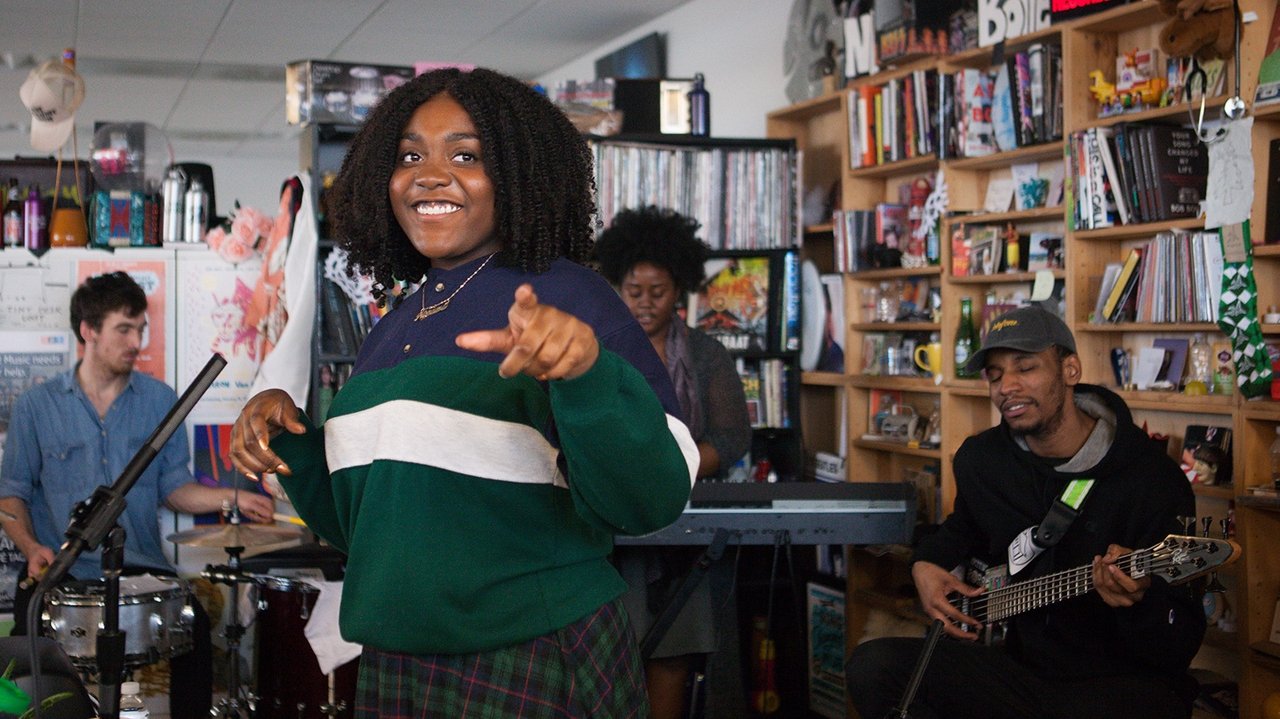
(929, 358)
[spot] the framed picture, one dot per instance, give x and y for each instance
(749, 301)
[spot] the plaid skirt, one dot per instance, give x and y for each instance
(590, 668)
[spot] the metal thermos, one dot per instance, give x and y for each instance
(171, 191)
(195, 209)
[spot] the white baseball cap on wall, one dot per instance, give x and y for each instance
(52, 93)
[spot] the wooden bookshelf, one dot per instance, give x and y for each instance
(1088, 43)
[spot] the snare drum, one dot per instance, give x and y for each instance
(290, 685)
(155, 614)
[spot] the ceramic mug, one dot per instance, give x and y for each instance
(929, 358)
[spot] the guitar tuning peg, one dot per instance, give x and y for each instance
(1225, 523)
(1188, 525)
(1207, 522)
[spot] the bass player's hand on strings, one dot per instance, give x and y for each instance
(935, 586)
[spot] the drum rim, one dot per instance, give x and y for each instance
(287, 584)
(61, 596)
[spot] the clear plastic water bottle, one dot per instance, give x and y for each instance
(1201, 360)
(131, 705)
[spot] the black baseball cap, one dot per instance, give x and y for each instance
(1027, 329)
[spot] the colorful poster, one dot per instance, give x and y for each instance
(733, 304)
(209, 448)
(213, 296)
(153, 276)
(826, 651)
(29, 357)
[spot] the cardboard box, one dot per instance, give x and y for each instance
(339, 92)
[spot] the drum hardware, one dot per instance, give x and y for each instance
(93, 524)
(231, 575)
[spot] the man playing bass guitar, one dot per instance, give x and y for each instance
(1065, 480)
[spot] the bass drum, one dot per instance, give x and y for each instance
(290, 684)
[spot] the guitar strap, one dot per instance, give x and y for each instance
(1031, 541)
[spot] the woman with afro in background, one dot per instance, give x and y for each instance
(500, 425)
(654, 258)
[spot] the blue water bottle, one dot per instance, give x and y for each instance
(699, 108)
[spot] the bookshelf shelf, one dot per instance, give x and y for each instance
(824, 228)
(896, 326)
(1267, 112)
(1266, 504)
(1126, 17)
(1141, 230)
(896, 448)
(824, 379)
(924, 163)
(807, 109)
(991, 218)
(1031, 153)
(1224, 492)
(894, 273)
(980, 57)
(905, 384)
(1178, 402)
(1147, 327)
(1263, 409)
(1266, 250)
(1175, 112)
(1003, 278)
(1270, 329)
(968, 388)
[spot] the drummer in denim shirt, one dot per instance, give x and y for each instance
(76, 432)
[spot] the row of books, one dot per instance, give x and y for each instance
(1014, 104)
(764, 382)
(1134, 173)
(897, 120)
(1174, 277)
(344, 324)
(743, 197)
(870, 239)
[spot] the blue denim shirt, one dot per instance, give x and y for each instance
(58, 451)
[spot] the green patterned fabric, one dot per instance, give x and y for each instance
(1238, 318)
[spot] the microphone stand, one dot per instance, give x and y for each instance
(91, 522)
(930, 641)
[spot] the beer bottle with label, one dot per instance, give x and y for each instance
(966, 339)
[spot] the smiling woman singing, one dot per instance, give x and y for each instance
(498, 429)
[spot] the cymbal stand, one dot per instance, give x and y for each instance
(231, 705)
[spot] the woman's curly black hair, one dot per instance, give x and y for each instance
(661, 237)
(541, 169)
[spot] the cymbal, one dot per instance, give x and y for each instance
(235, 535)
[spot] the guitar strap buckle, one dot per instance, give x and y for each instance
(1031, 541)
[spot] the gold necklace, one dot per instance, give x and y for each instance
(443, 305)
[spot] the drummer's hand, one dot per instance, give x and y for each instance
(263, 417)
(539, 340)
(256, 507)
(38, 560)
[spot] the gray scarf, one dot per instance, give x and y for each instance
(680, 367)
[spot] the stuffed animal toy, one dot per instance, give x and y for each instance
(1203, 28)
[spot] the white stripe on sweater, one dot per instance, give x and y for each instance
(421, 433)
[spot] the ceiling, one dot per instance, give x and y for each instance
(210, 73)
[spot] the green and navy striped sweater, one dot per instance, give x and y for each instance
(478, 512)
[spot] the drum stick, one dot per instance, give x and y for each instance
(286, 518)
(30, 582)
(8, 515)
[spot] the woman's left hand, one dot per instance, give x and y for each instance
(539, 340)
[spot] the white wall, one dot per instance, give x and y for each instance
(736, 44)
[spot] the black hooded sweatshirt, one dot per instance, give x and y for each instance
(1136, 500)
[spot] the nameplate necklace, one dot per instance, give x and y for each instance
(442, 305)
